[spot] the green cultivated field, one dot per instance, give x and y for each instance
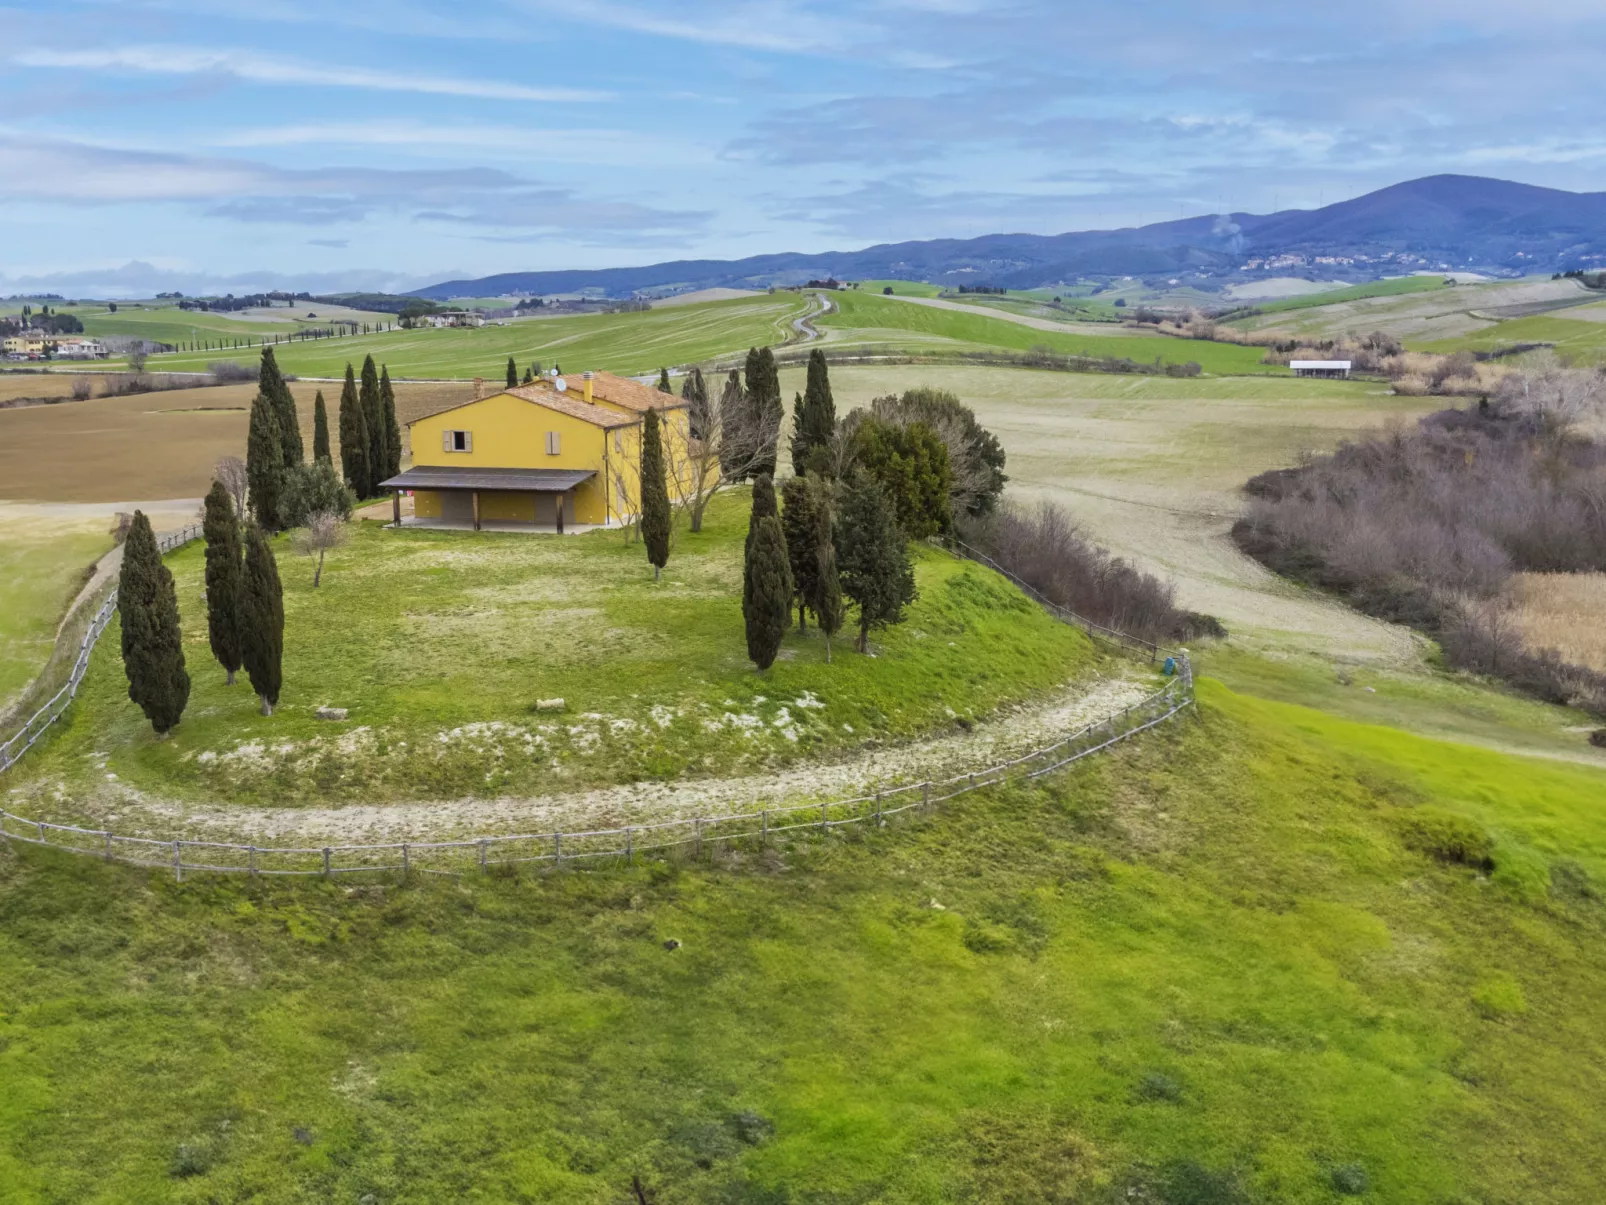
(624, 343)
(1378, 288)
(1580, 342)
(41, 567)
(419, 633)
(878, 321)
(1232, 963)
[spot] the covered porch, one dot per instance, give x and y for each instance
(489, 499)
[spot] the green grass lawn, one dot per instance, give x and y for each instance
(1224, 964)
(41, 568)
(1395, 287)
(441, 643)
(901, 288)
(862, 319)
(624, 343)
(1581, 342)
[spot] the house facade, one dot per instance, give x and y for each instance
(555, 455)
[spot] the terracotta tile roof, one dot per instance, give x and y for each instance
(572, 404)
(622, 391)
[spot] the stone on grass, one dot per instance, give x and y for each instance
(549, 704)
(330, 713)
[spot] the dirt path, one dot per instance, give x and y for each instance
(803, 324)
(1007, 735)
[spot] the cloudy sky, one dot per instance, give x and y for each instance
(388, 143)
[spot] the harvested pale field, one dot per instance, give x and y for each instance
(1153, 466)
(159, 445)
(1426, 316)
(1565, 612)
(1277, 287)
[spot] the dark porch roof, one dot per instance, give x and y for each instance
(440, 477)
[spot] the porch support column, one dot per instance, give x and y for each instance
(395, 508)
(560, 514)
(476, 510)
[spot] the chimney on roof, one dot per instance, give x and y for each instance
(587, 378)
(479, 388)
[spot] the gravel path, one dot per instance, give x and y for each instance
(1006, 735)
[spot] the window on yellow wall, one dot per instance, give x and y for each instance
(554, 443)
(457, 441)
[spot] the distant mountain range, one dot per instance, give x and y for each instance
(1467, 223)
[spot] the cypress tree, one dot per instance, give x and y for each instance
(270, 381)
(654, 495)
(764, 400)
(663, 381)
(264, 462)
(798, 522)
(735, 438)
(512, 373)
(825, 598)
(353, 438)
(815, 415)
(872, 554)
(320, 429)
(766, 578)
(387, 414)
(694, 391)
(528, 376)
(373, 415)
(153, 646)
(262, 619)
(221, 527)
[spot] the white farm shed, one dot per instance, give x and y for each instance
(1320, 368)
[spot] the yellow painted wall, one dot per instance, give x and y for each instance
(511, 433)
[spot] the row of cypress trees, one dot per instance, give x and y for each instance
(284, 488)
(245, 613)
(370, 439)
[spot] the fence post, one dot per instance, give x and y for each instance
(41, 826)
(406, 860)
(326, 861)
(251, 860)
(925, 796)
(178, 863)
(764, 828)
(482, 854)
(108, 837)
(697, 836)
(878, 809)
(823, 824)
(630, 846)
(557, 849)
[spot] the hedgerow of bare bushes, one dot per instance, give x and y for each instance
(1043, 547)
(1426, 526)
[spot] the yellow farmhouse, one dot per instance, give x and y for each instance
(553, 455)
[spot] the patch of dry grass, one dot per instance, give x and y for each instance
(1565, 612)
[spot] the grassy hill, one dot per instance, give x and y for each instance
(441, 643)
(626, 343)
(1238, 962)
(1582, 342)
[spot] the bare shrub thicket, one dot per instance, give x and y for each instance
(1043, 547)
(225, 372)
(1426, 526)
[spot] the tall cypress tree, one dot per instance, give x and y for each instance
(873, 556)
(663, 381)
(320, 429)
(264, 462)
(825, 598)
(512, 373)
(814, 423)
(270, 381)
(354, 439)
(797, 523)
(735, 436)
(221, 527)
(373, 415)
(694, 390)
(766, 578)
(654, 494)
(262, 619)
(153, 646)
(387, 409)
(765, 407)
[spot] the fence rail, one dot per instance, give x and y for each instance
(37, 724)
(558, 848)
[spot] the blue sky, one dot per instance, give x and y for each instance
(211, 144)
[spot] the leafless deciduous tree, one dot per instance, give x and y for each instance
(325, 530)
(231, 472)
(1559, 397)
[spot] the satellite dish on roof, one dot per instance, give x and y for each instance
(559, 384)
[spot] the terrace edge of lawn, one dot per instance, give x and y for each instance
(1211, 966)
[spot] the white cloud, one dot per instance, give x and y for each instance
(260, 69)
(617, 147)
